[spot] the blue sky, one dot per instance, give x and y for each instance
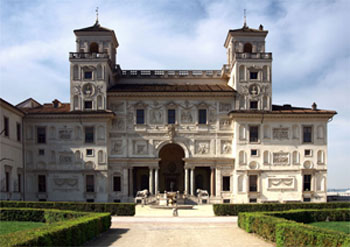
(309, 40)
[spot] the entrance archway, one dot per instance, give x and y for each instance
(171, 168)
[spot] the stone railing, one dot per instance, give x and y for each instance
(87, 55)
(265, 55)
(173, 73)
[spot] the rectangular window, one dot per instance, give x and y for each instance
(202, 116)
(171, 116)
(254, 133)
(41, 134)
(307, 152)
(226, 183)
(41, 183)
(227, 201)
(19, 178)
(90, 183)
(307, 199)
(89, 152)
(116, 183)
(307, 183)
(253, 75)
(88, 104)
(41, 152)
(307, 134)
(254, 105)
(252, 200)
(89, 134)
(88, 75)
(140, 116)
(253, 183)
(6, 126)
(254, 152)
(7, 177)
(19, 131)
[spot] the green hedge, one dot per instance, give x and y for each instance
(69, 229)
(281, 228)
(234, 209)
(120, 209)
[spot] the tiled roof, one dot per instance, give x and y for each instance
(63, 108)
(171, 88)
(247, 30)
(286, 109)
(95, 28)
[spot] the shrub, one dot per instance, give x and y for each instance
(234, 209)
(282, 228)
(120, 209)
(75, 229)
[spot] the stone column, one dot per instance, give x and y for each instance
(150, 180)
(186, 181)
(125, 181)
(218, 182)
(156, 186)
(212, 181)
(192, 181)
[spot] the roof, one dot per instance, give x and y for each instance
(62, 108)
(286, 109)
(245, 30)
(95, 28)
(2, 101)
(171, 88)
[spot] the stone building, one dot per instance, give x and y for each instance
(171, 130)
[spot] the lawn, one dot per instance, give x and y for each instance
(14, 226)
(341, 226)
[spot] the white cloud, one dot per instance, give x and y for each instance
(309, 41)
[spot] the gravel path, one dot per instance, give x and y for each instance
(176, 232)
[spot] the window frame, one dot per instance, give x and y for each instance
(86, 137)
(41, 137)
(201, 110)
(311, 134)
(42, 186)
(255, 102)
(224, 184)
(88, 108)
(115, 185)
(138, 117)
(85, 73)
(253, 73)
(251, 186)
(309, 183)
(19, 131)
(6, 127)
(174, 116)
(258, 134)
(89, 188)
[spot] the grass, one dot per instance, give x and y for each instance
(340, 226)
(14, 226)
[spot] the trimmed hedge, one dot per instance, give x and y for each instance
(281, 228)
(68, 228)
(120, 209)
(234, 209)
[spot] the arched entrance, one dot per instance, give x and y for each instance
(171, 168)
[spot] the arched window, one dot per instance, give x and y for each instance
(99, 71)
(101, 133)
(241, 72)
(248, 48)
(320, 157)
(100, 157)
(266, 131)
(265, 102)
(295, 157)
(266, 157)
(99, 102)
(76, 102)
(76, 72)
(241, 183)
(94, 47)
(242, 132)
(320, 132)
(265, 73)
(242, 157)
(77, 156)
(295, 131)
(320, 183)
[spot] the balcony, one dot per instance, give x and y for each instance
(172, 73)
(88, 55)
(265, 55)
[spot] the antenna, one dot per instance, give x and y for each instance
(245, 18)
(96, 14)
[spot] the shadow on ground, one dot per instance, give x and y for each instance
(108, 237)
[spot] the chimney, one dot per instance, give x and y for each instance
(261, 27)
(314, 106)
(56, 103)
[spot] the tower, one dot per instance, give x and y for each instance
(92, 67)
(250, 68)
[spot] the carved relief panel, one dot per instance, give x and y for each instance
(187, 116)
(140, 147)
(117, 147)
(287, 183)
(65, 183)
(280, 159)
(280, 133)
(202, 147)
(65, 133)
(226, 147)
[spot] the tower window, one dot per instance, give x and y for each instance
(248, 48)
(88, 75)
(94, 47)
(19, 129)
(307, 134)
(171, 116)
(253, 75)
(202, 116)
(140, 116)
(88, 104)
(89, 134)
(253, 104)
(41, 135)
(254, 133)
(6, 126)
